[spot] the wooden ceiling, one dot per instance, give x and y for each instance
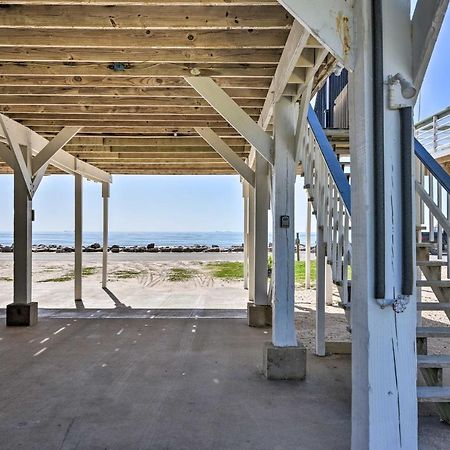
(117, 67)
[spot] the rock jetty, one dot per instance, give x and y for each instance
(149, 248)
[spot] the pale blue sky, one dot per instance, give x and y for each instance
(186, 203)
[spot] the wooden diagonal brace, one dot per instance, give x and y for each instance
(16, 151)
(227, 154)
(42, 160)
(234, 115)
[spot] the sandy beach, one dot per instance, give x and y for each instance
(145, 281)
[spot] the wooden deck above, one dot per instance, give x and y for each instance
(117, 69)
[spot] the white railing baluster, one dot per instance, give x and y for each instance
(439, 230)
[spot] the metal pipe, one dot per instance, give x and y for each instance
(378, 143)
(406, 143)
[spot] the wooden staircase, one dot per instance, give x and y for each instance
(431, 366)
(332, 209)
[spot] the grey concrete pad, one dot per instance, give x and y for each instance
(162, 384)
(168, 384)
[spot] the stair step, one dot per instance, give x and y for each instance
(432, 306)
(434, 263)
(426, 244)
(435, 394)
(433, 283)
(433, 361)
(429, 332)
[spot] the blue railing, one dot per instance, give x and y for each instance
(432, 165)
(339, 176)
(331, 160)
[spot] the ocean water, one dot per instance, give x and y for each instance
(122, 238)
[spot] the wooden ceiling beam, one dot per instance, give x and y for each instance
(164, 126)
(131, 55)
(167, 17)
(143, 39)
(48, 130)
(143, 2)
(167, 93)
(190, 156)
(149, 149)
(101, 109)
(112, 81)
(128, 141)
(161, 120)
(118, 101)
(136, 70)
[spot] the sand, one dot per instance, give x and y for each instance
(142, 280)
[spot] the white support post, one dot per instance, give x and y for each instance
(22, 311)
(22, 237)
(78, 236)
(308, 247)
(251, 244)
(328, 284)
(283, 192)
(105, 196)
(321, 264)
(245, 189)
(384, 364)
(261, 229)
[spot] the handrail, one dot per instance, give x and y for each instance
(432, 165)
(429, 120)
(331, 160)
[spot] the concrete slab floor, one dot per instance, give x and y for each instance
(166, 384)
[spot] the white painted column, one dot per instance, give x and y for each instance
(283, 195)
(384, 401)
(308, 247)
(261, 198)
(328, 284)
(78, 236)
(251, 244)
(320, 293)
(245, 189)
(105, 196)
(22, 237)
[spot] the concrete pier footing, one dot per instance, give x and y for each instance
(284, 363)
(259, 316)
(21, 314)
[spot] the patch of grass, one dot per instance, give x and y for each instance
(181, 274)
(227, 270)
(126, 274)
(50, 269)
(300, 272)
(88, 271)
(6, 279)
(60, 279)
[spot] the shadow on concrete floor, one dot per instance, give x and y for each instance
(114, 298)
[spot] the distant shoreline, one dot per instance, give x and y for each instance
(221, 239)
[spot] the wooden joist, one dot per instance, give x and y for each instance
(144, 39)
(102, 109)
(118, 101)
(124, 81)
(148, 69)
(129, 17)
(117, 68)
(192, 141)
(143, 2)
(190, 150)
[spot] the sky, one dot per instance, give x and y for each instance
(185, 203)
